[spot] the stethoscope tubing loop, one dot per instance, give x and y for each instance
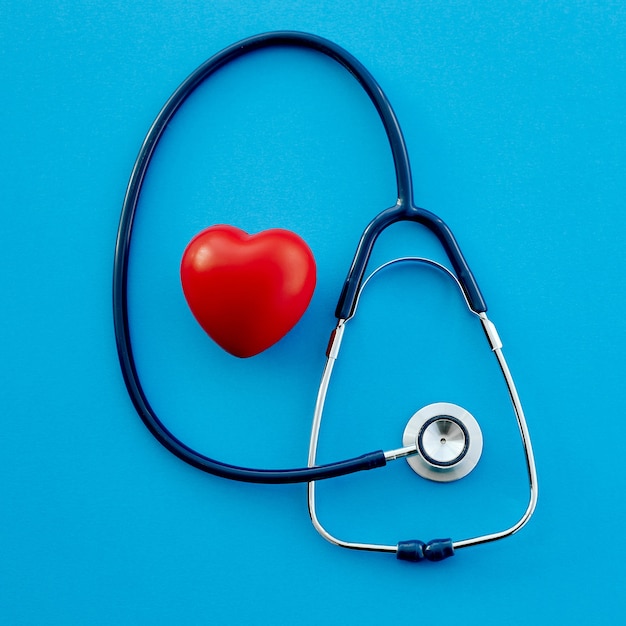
(125, 230)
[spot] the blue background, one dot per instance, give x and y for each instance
(514, 117)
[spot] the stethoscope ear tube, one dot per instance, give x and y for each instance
(437, 549)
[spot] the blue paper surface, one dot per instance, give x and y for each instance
(514, 118)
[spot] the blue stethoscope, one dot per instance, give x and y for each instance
(442, 441)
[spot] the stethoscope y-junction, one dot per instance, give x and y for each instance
(441, 442)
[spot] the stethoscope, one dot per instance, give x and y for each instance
(441, 442)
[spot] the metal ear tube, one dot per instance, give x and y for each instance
(442, 442)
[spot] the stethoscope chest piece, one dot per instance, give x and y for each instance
(448, 439)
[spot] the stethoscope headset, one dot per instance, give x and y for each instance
(442, 441)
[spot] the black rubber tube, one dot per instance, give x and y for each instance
(123, 245)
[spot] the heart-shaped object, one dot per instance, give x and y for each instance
(247, 291)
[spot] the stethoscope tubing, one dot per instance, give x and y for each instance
(124, 238)
(403, 210)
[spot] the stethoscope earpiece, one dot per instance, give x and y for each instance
(448, 439)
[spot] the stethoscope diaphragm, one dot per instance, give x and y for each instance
(448, 439)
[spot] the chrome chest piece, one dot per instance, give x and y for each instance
(448, 439)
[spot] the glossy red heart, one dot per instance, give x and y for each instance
(247, 291)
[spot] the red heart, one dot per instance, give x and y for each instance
(247, 291)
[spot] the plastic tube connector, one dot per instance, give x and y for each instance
(415, 550)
